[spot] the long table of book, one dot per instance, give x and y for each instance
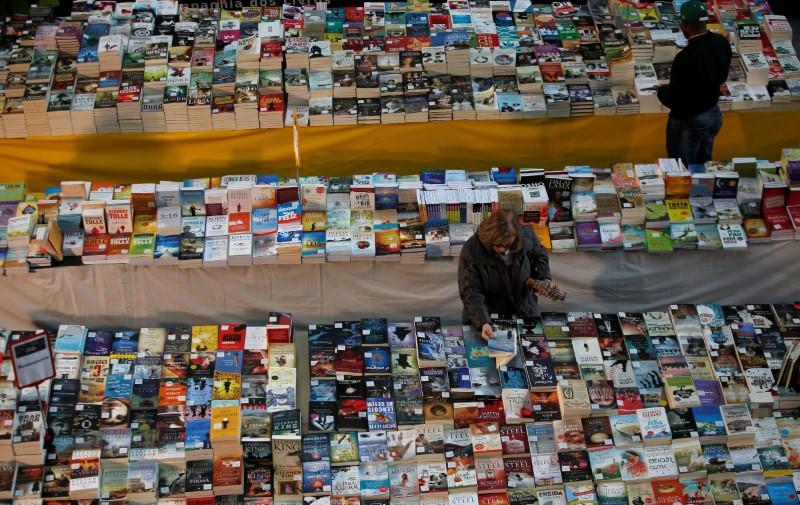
(680, 405)
(410, 148)
(145, 296)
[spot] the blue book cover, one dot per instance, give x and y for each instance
(381, 414)
(387, 197)
(69, 222)
(322, 390)
(198, 434)
(377, 360)
(316, 447)
(321, 336)
(374, 331)
(198, 391)
(459, 378)
(667, 346)
(267, 179)
(504, 175)
(348, 333)
(709, 421)
(125, 341)
(289, 211)
(98, 343)
(264, 219)
(193, 202)
(782, 493)
(317, 477)
(70, 339)
(372, 446)
(477, 351)
(119, 386)
(374, 479)
(166, 246)
(401, 336)
(513, 378)
(229, 361)
(432, 176)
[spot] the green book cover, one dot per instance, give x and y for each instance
(658, 241)
(683, 235)
(656, 212)
(12, 192)
(142, 244)
(633, 236)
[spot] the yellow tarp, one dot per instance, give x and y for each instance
(344, 150)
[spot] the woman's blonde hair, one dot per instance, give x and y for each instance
(498, 228)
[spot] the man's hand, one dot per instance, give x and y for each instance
(547, 288)
(487, 332)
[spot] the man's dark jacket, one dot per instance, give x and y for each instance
(486, 286)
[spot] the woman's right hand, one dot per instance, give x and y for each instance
(487, 332)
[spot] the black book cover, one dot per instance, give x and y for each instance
(374, 331)
(179, 339)
(322, 416)
(315, 447)
(379, 386)
(199, 475)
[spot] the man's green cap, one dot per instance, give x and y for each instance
(694, 11)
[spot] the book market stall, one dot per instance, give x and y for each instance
(230, 241)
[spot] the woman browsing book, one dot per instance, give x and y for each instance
(502, 269)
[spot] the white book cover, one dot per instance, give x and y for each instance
(216, 226)
(168, 220)
(240, 245)
(587, 351)
(216, 251)
(660, 461)
(119, 217)
(255, 338)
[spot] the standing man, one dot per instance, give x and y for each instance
(693, 91)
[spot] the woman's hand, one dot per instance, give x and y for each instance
(487, 332)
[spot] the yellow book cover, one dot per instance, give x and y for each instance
(282, 356)
(314, 220)
(225, 420)
(227, 386)
(204, 338)
(145, 223)
(544, 236)
(679, 211)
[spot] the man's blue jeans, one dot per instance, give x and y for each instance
(692, 139)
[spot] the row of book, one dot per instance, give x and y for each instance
(208, 413)
(241, 220)
(133, 67)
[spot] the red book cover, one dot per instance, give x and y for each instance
(629, 400)
(487, 40)
(514, 438)
(519, 471)
(95, 245)
(270, 103)
(491, 474)
(778, 219)
(231, 337)
(279, 328)
(773, 198)
(271, 49)
(207, 500)
(349, 359)
(354, 13)
(172, 392)
(581, 324)
(464, 415)
(228, 470)
(668, 492)
(396, 44)
(239, 222)
(794, 214)
(491, 412)
(118, 244)
(493, 499)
